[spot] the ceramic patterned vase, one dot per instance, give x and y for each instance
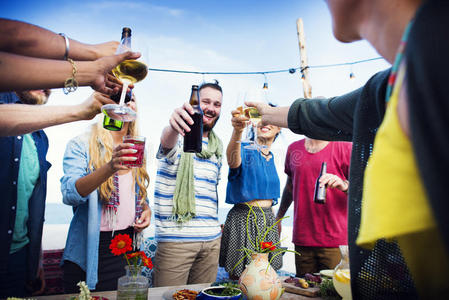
(259, 280)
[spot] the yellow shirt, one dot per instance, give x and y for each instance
(394, 200)
(395, 205)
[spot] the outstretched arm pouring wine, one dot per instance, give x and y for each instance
(28, 73)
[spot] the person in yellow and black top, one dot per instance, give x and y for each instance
(412, 152)
(404, 188)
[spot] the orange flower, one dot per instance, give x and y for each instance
(132, 255)
(120, 244)
(267, 245)
(146, 261)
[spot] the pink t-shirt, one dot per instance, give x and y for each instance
(318, 225)
(126, 211)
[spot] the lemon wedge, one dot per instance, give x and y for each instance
(343, 276)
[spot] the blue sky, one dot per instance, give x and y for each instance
(202, 36)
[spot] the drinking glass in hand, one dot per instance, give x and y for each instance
(108, 122)
(128, 72)
(138, 145)
(241, 108)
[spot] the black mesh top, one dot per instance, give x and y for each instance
(356, 116)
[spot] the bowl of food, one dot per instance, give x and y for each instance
(220, 292)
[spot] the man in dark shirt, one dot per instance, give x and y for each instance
(23, 182)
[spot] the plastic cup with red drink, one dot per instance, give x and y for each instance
(139, 145)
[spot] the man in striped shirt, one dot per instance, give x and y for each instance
(188, 246)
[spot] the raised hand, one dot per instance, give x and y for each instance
(102, 80)
(180, 119)
(239, 120)
(116, 162)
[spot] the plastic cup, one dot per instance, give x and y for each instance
(139, 145)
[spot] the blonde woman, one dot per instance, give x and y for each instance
(108, 199)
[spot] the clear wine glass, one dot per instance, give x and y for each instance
(241, 106)
(254, 117)
(128, 72)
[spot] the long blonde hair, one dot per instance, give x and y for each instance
(100, 152)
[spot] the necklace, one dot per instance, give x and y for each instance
(397, 62)
(266, 155)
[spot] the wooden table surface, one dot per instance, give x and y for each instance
(157, 293)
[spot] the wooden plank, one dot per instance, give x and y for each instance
(291, 288)
(306, 86)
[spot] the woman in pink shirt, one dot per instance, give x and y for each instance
(108, 198)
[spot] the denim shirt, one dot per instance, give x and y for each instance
(84, 232)
(10, 151)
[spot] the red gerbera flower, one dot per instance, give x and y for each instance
(120, 244)
(146, 261)
(267, 245)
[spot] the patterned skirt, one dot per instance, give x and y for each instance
(235, 237)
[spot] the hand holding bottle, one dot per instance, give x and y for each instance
(333, 181)
(181, 118)
(101, 79)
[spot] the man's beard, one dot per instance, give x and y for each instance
(208, 128)
(26, 97)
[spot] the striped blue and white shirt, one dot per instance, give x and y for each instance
(204, 226)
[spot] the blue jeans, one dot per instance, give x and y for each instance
(12, 283)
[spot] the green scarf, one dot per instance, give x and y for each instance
(184, 196)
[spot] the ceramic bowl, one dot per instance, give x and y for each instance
(204, 296)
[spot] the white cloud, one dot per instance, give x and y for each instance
(135, 5)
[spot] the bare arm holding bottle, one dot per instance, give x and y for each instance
(179, 121)
(28, 73)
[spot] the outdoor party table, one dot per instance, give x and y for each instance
(157, 293)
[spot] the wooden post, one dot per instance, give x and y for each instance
(307, 88)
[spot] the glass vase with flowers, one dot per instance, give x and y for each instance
(133, 285)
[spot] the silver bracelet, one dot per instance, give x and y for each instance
(67, 45)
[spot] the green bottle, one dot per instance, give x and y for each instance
(111, 124)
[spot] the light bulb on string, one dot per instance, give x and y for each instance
(265, 84)
(351, 73)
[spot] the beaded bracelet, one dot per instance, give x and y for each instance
(70, 84)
